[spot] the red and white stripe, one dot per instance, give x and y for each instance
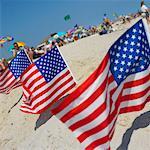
(40, 95)
(8, 82)
(91, 111)
(136, 91)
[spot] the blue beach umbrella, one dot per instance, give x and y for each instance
(61, 34)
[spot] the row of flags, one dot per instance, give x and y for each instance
(119, 85)
(43, 82)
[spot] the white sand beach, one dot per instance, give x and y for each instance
(17, 130)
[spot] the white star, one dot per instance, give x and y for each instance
(139, 37)
(137, 51)
(126, 42)
(131, 50)
(133, 37)
(123, 62)
(124, 56)
(121, 70)
(142, 67)
(140, 31)
(113, 53)
(134, 30)
(138, 44)
(132, 43)
(116, 61)
(127, 70)
(117, 54)
(119, 76)
(127, 36)
(115, 68)
(129, 63)
(143, 52)
(140, 25)
(121, 41)
(119, 47)
(115, 46)
(130, 57)
(125, 49)
(136, 57)
(141, 58)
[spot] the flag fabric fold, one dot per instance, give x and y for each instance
(10, 78)
(120, 84)
(46, 81)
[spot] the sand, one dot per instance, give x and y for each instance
(17, 130)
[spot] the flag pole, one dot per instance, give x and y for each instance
(147, 29)
(66, 63)
(27, 56)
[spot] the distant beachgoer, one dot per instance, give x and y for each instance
(29, 52)
(3, 64)
(107, 21)
(16, 49)
(36, 53)
(48, 46)
(145, 11)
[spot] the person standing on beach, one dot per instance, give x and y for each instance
(145, 11)
(16, 49)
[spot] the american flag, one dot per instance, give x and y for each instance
(120, 84)
(45, 82)
(10, 78)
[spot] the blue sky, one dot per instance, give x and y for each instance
(33, 20)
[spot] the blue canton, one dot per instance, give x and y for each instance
(51, 64)
(19, 64)
(130, 54)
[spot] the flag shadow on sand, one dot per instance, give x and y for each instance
(46, 115)
(140, 122)
(15, 104)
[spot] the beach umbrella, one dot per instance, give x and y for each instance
(21, 44)
(61, 34)
(9, 38)
(51, 39)
(3, 40)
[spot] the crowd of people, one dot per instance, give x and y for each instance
(77, 33)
